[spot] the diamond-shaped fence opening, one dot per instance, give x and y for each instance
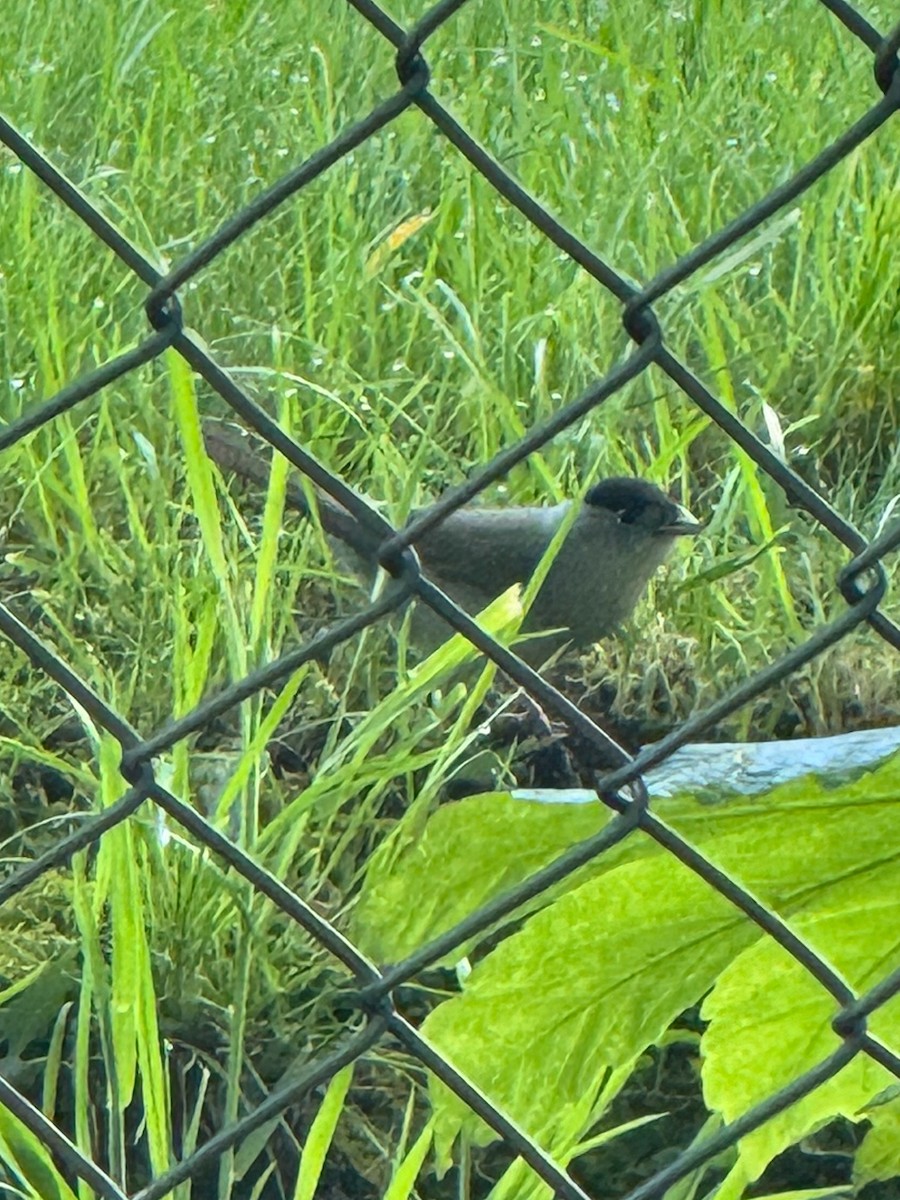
(803, 942)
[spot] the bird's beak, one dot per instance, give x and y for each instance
(684, 524)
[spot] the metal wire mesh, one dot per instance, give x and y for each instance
(862, 582)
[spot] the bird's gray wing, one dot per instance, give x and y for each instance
(488, 548)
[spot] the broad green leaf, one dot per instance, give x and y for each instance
(642, 941)
(879, 1155)
(586, 985)
(472, 850)
(467, 853)
(770, 1020)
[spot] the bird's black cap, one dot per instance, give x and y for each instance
(639, 502)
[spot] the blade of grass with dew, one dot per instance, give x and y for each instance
(200, 482)
(259, 1186)
(93, 1000)
(403, 1180)
(771, 232)
(192, 1128)
(254, 749)
(195, 631)
(55, 1051)
(237, 1036)
(354, 760)
(519, 1181)
(28, 1160)
(80, 775)
(135, 1032)
(321, 1134)
(716, 351)
(78, 482)
(273, 515)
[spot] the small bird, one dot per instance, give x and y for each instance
(624, 531)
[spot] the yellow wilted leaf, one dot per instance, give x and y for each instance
(394, 240)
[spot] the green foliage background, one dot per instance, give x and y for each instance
(405, 324)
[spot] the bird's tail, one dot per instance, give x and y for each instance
(237, 452)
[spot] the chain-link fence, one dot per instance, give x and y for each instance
(377, 1015)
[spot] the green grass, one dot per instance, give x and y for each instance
(404, 364)
(405, 376)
